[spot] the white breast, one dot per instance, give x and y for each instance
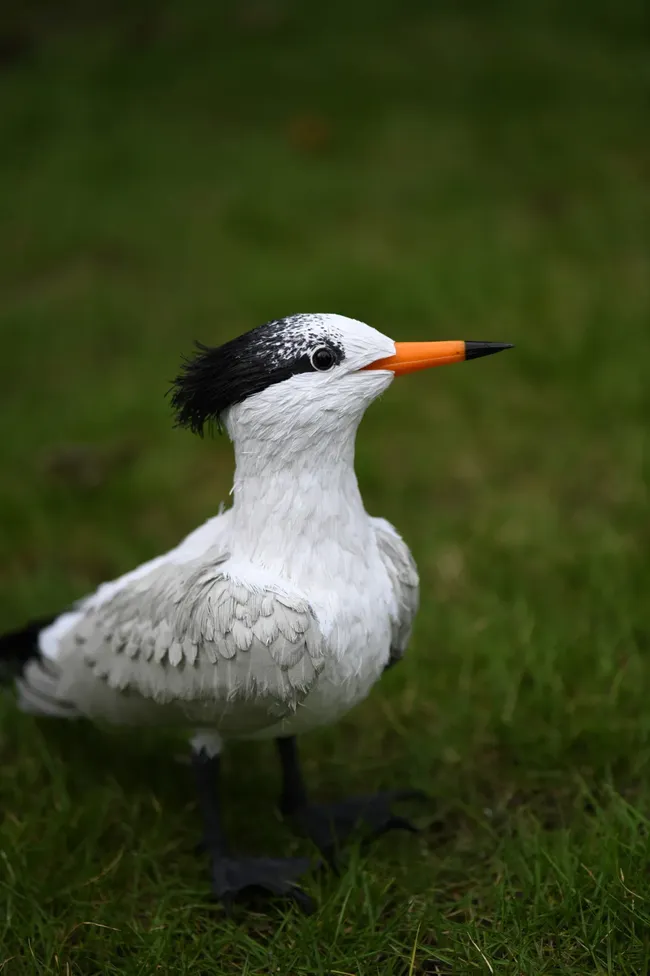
(353, 605)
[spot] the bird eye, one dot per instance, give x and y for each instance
(322, 358)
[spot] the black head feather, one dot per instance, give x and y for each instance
(218, 377)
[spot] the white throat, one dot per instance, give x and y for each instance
(296, 507)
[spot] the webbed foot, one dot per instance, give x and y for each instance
(330, 825)
(235, 876)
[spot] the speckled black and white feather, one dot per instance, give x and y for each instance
(218, 377)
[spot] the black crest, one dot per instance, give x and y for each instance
(218, 377)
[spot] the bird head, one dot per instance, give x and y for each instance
(301, 375)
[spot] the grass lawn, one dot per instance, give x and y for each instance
(178, 171)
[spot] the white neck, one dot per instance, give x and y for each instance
(297, 507)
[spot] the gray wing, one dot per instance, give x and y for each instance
(403, 575)
(197, 640)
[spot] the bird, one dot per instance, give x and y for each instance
(274, 617)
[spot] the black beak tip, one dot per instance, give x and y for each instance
(474, 350)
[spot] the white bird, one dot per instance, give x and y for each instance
(275, 616)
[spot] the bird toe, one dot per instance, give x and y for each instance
(239, 878)
(329, 826)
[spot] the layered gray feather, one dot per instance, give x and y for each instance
(193, 639)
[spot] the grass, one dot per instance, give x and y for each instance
(170, 174)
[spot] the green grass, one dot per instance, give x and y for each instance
(439, 171)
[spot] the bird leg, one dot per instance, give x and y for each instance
(330, 825)
(232, 874)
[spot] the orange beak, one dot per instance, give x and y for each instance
(411, 356)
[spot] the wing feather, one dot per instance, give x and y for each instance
(194, 635)
(403, 574)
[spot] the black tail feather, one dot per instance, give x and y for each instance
(19, 646)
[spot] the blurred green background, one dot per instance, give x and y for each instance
(172, 171)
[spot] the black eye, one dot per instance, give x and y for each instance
(322, 358)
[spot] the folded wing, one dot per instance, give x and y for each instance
(403, 575)
(204, 643)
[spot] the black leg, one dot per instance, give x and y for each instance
(294, 792)
(207, 775)
(233, 875)
(329, 825)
